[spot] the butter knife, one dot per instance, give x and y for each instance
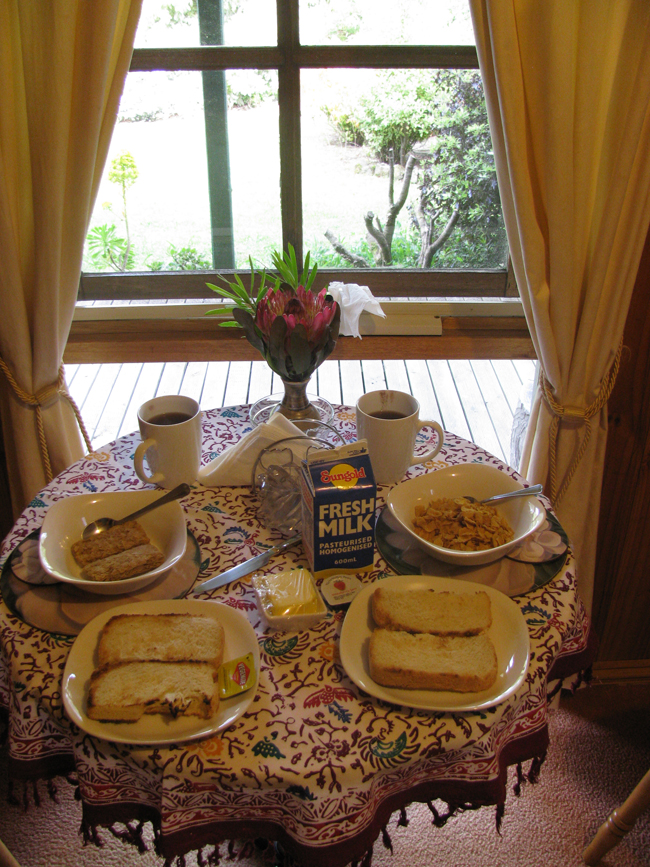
(246, 567)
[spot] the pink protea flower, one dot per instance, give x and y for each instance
(315, 311)
(293, 328)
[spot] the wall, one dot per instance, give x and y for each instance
(622, 583)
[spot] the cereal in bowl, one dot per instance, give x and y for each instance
(461, 524)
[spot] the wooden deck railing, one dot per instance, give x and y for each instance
(476, 399)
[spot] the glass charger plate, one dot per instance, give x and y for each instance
(508, 633)
(56, 607)
(158, 729)
(511, 576)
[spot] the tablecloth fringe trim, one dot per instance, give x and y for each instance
(90, 834)
(207, 856)
(583, 678)
(366, 861)
(439, 820)
(132, 833)
(29, 792)
(532, 776)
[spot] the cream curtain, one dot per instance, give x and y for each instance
(567, 86)
(62, 70)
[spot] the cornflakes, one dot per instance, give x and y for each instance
(460, 524)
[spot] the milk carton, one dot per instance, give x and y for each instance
(338, 510)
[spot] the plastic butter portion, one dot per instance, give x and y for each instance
(288, 593)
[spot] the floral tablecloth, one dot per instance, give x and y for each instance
(315, 763)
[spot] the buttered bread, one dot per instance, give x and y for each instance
(433, 611)
(432, 639)
(162, 637)
(460, 663)
(156, 663)
(126, 691)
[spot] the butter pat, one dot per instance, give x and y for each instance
(289, 600)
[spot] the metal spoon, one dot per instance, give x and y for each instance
(103, 524)
(524, 492)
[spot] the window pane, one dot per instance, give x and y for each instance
(164, 24)
(387, 22)
(156, 186)
(353, 123)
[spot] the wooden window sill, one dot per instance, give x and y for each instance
(183, 333)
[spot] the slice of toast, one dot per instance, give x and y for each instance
(126, 691)
(432, 611)
(452, 662)
(126, 564)
(161, 637)
(110, 542)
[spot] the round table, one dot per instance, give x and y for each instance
(314, 763)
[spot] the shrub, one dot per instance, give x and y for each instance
(187, 259)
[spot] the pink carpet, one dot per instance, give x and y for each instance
(590, 769)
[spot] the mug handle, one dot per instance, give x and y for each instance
(138, 459)
(420, 459)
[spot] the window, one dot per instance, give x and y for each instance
(245, 126)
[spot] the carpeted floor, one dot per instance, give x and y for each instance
(599, 751)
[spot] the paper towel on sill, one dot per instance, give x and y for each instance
(234, 466)
(353, 301)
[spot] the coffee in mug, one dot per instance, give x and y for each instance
(386, 413)
(170, 428)
(389, 421)
(170, 418)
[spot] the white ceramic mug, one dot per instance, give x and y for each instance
(390, 421)
(170, 428)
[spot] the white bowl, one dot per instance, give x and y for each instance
(66, 519)
(524, 514)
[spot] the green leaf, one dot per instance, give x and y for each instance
(225, 293)
(248, 324)
(275, 347)
(300, 352)
(312, 276)
(219, 311)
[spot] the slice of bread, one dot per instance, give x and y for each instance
(161, 637)
(453, 662)
(126, 691)
(126, 564)
(433, 611)
(112, 541)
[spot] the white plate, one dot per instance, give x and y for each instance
(509, 634)
(156, 729)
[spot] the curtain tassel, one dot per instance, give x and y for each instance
(41, 399)
(561, 412)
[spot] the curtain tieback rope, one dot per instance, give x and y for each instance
(43, 398)
(584, 414)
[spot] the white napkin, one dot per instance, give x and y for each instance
(353, 300)
(234, 466)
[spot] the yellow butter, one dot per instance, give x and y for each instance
(288, 593)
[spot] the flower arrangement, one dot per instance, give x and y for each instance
(294, 327)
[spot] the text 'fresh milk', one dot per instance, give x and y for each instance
(338, 509)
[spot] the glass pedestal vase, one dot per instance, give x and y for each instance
(295, 404)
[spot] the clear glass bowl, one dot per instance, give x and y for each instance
(277, 476)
